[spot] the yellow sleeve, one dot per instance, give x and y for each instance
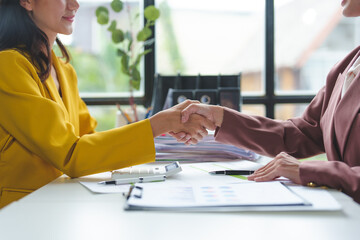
(87, 122)
(40, 125)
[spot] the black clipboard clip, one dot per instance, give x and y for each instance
(135, 191)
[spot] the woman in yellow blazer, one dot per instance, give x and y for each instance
(45, 128)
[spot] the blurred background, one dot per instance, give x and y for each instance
(210, 37)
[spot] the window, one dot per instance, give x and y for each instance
(209, 37)
(101, 82)
(94, 55)
(310, 37)
(298, 40)
(302, 39)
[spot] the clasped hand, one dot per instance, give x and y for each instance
(190, 131)
(210, 116)
(194, 128)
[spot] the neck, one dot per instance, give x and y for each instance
(51, 37)
(52, 41)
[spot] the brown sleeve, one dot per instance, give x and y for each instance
(333, 174)
(269, 137)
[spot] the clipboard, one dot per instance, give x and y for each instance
(265, 196)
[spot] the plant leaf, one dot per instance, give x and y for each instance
(136, 84)
(135, 78)
(151, 13)
(120, 52)
(116, 5)
(112, 26)
(129, 46)
(135, 74)
(117, 36)
(125, 64)
(138, 58)
(103, 18)
(128, 36)
(144, 34)
(100, 10)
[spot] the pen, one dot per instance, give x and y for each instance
(232, 172)
(156, 178)
(127, 117)
(148, 112)
(133, 106)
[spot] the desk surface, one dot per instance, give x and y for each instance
(64, 209)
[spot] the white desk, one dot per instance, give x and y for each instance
(65, 210)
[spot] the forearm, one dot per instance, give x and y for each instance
(129, 145)
(218, 115)
(161, 123)
(264, 136)
(333, 174)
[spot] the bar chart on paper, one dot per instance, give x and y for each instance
(220, 196)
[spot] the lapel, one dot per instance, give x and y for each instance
(55, 96)
(53, 92)
(328, 120)
(340, 113)
(347, 110)
(62, 82)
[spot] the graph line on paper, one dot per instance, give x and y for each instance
(197, 168)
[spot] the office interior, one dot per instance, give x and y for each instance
(283, 50)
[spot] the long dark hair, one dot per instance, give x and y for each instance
(18, 31)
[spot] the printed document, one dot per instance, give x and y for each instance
(224, 195)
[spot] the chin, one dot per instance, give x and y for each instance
(69, 32)
(346, 14)
(351, 12)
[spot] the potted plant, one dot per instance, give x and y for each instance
(130, 44)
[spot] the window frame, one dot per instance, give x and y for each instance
(269, 99)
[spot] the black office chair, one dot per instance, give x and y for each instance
(221, 90)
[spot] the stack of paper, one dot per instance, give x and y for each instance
(167, 148)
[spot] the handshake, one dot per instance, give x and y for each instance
(188, 121)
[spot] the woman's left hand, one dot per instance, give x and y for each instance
(282, 165)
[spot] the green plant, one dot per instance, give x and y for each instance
(130, 45)
(128, 51)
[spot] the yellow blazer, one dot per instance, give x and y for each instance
(43, 135)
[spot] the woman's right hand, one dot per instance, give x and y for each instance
(169, 120)
(212, 113)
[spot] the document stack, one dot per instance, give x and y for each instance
(168, 149)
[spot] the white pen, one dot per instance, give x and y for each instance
(155, 178)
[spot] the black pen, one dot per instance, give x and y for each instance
(232, 172)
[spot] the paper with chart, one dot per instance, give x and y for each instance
(223, 195)
(197, 174)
